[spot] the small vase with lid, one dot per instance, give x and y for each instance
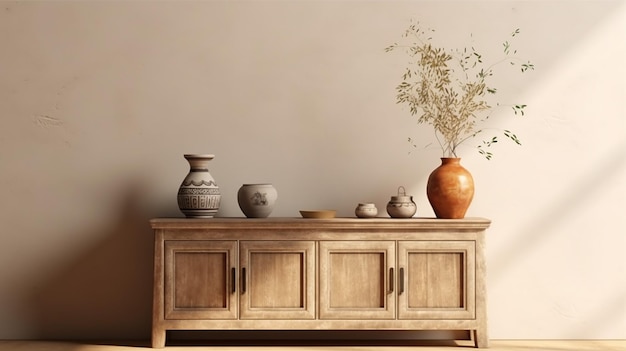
(402, 205)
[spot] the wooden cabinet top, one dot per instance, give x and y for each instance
(391, 224)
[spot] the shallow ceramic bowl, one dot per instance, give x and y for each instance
(318, 214)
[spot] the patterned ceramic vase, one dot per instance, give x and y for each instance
(450, 189)
(198, 195)
(257, 200)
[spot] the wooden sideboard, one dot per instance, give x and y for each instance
(319, 274)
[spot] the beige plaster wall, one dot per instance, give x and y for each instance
(99, 100)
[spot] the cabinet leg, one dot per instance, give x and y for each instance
(481, 339)
(158, 338)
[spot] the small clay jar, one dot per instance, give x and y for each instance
(402, 205)
(366, 210)
(257, 200)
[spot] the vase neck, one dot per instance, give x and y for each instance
(199, 163)
(450, 160)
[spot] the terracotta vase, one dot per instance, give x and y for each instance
(198, 195)
(450, 189)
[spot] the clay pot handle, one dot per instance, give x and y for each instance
(403, 191)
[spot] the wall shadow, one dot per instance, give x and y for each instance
(105, 292)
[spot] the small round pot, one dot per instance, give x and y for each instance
(366, 210)
(257, 200)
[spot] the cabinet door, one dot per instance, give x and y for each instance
(278, 279)
(357, 280)
(436, 280)
(199, 280)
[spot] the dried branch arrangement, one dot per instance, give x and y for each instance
(448, 89)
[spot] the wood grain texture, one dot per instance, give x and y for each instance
(280, 279)
(436, 280)
(198, 279)
(439, 279)
(354, 279)
(336, 274)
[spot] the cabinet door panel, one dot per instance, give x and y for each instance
(437, 280)
(276, 280)
(192, 292)
(356, 280)
(279, 279)
(198, 282)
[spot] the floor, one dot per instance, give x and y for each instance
(496, 345)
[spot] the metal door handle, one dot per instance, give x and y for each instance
(243, 280)
(401, 278)
(391, 283)
(234, 277)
